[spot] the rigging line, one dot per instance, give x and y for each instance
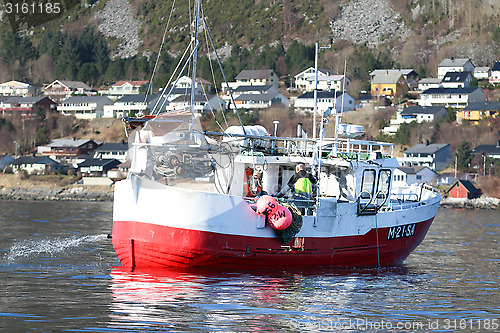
(159, 51)
(211, 109)
(213, 73)
(224, 74)
(170, 80)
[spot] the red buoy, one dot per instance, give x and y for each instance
(281, 218)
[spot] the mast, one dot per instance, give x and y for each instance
(195, 58)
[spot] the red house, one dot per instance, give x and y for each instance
(463, 189)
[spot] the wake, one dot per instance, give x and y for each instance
(50, 246)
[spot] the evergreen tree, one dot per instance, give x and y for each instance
(463, 156)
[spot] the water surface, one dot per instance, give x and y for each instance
(59, 273)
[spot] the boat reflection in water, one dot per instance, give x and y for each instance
(188, 300)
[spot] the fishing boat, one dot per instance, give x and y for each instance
(195, 198)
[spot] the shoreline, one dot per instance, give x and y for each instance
(76, 193)
(106, 193)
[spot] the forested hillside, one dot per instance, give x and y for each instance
(81, 45)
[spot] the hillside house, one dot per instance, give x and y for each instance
(415, 113)
(253, 77)
(259, 97)
(84, 107)
(474, 112)
(490, 151)
(409, 75)
(454, 65)
(495, 73)
(421, 113)
(306, 80)
(127, 105)
(482, 73)
(436, 156)
(456, 80)
(20, 88)
(427, 83)
(59, 90)
(389, 85)
(202, 85)
(41, 165)
(451, 97)
(202, 103)
(68, 151)
(463, 189)
(326, 99)
(122, 88)
(26, 106)
(97, 167)
(112, 151)
(404, 176)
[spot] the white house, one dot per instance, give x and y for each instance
(201, 103)
(495, 73)
(84, 107)
(35, 164)
(253, 77)
(306, 80)
(126, 105)
(436, 156)
(457, 80)
(404, 176)
(482, 73)
(415, 113)
(112, 151)
(429, 82)
(451, 97)
(326, 99)
(122, 88)
(202, 85)
(454, 65)
(60, 90)
(19, 88)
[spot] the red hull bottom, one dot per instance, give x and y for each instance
(147, 245)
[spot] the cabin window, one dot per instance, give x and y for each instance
(368, 184)
(384, 181)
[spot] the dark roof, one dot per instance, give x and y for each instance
(98, 161)
(254, 74)
(187, 98)
(113, 147)
(135, 98)
(84, 99)
(456, 76)
(27, 100)
(69, 143)
(482, 106)
(321, 94)
(262, 88)
(416, 109)
(452, 62)
(487, 149)
(450, 91)
(34, 160)
(426, 149)
(257, 97)
(467, 184)
(496, 66)
(413, 170)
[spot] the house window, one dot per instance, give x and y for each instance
(419, 177)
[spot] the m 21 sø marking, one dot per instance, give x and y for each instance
(401, 231)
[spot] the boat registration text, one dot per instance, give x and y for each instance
(401, 231)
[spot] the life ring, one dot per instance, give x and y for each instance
(251, 185)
